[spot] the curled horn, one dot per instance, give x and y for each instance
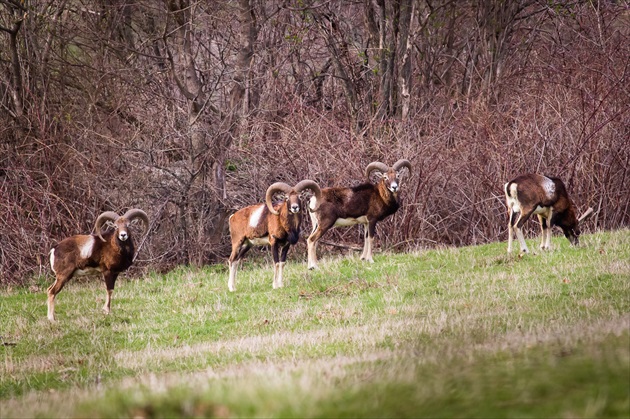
(134, 213)
(400, 164)
(375, 165)
(276, 187)
(587, 214)
(102, 219)
(313, 186)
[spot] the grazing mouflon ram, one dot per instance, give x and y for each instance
(547, 198)
(365, 204)
(110, 254)
(266, 224)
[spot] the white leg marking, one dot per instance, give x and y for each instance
(311, 250)
(277, 275)
(51, 298)
(254, 219)
(367, 249)
(312, 253)
(365, 243)
(232, 279)
(543, 232)
(548, 238)
(510, 231)
(521, 240)
(51, 307)
(108, 302)
(514, 207)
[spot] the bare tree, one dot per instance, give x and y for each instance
(189, 109)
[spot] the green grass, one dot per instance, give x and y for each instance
(469, 332)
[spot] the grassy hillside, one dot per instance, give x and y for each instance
(467, 332)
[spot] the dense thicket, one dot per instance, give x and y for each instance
(190, 110)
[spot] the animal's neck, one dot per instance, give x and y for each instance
(291, 221)
(124, 246)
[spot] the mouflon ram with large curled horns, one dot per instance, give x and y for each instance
(110, 254)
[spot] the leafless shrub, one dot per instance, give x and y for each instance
(98, 114)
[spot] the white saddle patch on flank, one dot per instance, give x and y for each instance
(549, 187)
(85, 249)
(254, 219)
(344, 222)
(311, 202)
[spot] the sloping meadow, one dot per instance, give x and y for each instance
(449, 332)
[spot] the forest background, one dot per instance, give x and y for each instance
(191, 109)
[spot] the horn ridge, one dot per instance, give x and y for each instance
(134, 213)
(271, 190)
(313, 186)
(402, 163)
(102, 219)
(375, 165)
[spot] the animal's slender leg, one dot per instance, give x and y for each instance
(522, 219)
(369, 241)
(238, 251)
(110, 281)
(511, 222)
(53, 290)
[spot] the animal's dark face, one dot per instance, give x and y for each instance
(293, 219)
(573, 235)
(570, 227)
(391, 178)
